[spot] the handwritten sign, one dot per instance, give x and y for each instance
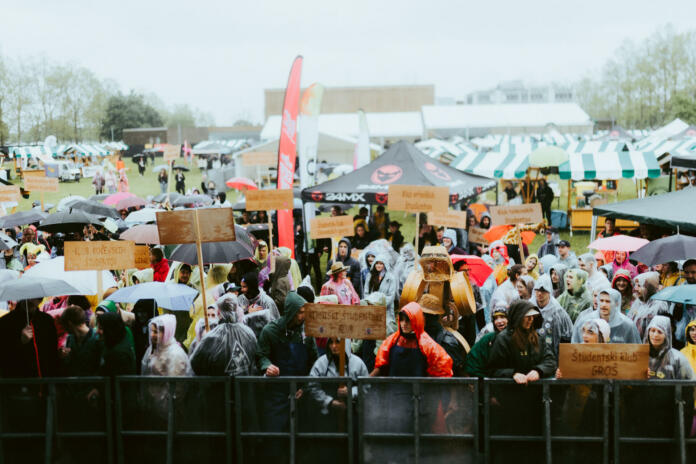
(41, 184)
(519, 214)
(266, 200)
(171, 152)
(475, 234)
(328, 227)
(418, 198)
(604, 361)
(456, 219)
(142, 256)
(9, 193)
(99, 255)
(216, 225)
(345, 321)
(260, 158)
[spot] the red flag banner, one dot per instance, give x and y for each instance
(287, 152)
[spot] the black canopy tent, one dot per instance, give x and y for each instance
(670, 210)
(401, 164)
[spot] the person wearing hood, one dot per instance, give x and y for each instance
(621, 262)
(382, 280)
(410, 351)
(525, 287)
(624, 284)
(284, 350)
(280, 282)
(669, 274)
(689, 350)
(295, 273)
(548, 248)
(353, 272)
(609, 310)
(253, 298)
(108, 306)
(118, 356)
(159, 264)
(366, 260)
(576, 296)
(556, 327)
(595, 303)
(520, 352)
(339, 285)
(507, 290)
(643, 308)
(532, 265)
(230, 347)
(546, 262)
(477, 358)
(432, 312)
(498, 252)
(141, 276)
(82, 352)
(164, 357)
(666, 363)
(213, 321)
(557, 273)
(361, 239)
(405, 264)
(449, 240)
(588, 263)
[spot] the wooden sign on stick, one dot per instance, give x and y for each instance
(142, 256)
(455, 219)
(260, 158)
(9, 193)
(476, 235)
(171, 152)
(328, 227)
(99, 255)
(41, 184)
(345, 321)
(620, 361)
(216, 225)
(518, 214)
(267, 200)
(418, 198)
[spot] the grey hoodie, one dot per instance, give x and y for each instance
(622, 328)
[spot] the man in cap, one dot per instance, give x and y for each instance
(566, 256)
(432, 310)
(549, 246)
(556, 327)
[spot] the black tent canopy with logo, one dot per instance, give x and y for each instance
(401, 164)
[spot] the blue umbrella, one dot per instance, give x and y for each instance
(169, 295)
(678, 294)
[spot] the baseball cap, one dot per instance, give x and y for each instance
(564, 243)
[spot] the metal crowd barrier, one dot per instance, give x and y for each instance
(405, 420)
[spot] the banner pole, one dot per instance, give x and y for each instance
(417, 231)
(199, 252)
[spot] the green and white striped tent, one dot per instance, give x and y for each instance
(32, 151)
(610, 165)
(85, 149)
(509, 164)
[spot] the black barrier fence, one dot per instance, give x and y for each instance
(377, 420)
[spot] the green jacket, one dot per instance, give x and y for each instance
(84, 357)
(477, 358)
(277, 333)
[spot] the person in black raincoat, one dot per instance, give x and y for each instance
(432, 311)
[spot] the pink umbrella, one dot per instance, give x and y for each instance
(241, 183)
(618, 243)
(130, 202)
(142, 233)
(116, 197)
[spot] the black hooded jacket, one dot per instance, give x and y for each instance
(353, 264)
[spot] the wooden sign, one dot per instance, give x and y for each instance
(620, 361)
(142, 256)
(9, 193)
(519, 214)
(99, 255)
(476, 235)
(328, 227)
(418, 198)
(215, 224)
(345, 321)
(456, 219)
(260, 158)
(41, 184)
(267, 200)
(171, 152)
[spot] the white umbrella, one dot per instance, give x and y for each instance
(169, 295)
(84, 281)
(64, 203)
(142, 216)
(34, 287)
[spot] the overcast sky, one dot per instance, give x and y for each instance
(219, 56)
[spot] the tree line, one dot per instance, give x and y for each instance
(39, 97)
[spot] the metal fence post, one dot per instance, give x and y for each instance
(547, 422)
(107, 418)
(49, 422)
(605, 422)
(170, 423)
(119, 422)
(361, 422)
(293, 417)
(617, 423)
(349, 405)
(486, 421)
(680, 423)
(238, 421)
(228, 419)
(416, 420)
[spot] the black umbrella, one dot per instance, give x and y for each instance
(192, 200)
(218, 252)
(96, 208)
(100, 197)
(673, 248)
(183, 168)
(72, 220)
(22, 218)
(162, 197)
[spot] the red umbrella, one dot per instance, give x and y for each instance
(498, 232)
(477, 267)
(130, 202)
(116, 197)
(241, 183)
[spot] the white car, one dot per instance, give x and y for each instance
(67, 170)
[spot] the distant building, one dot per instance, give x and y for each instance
(141, 136)
(518, 92)
(373, 99)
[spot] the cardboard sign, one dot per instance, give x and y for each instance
(171, 152)
(9, 193)
(475, 235)
(418, 198)
(216, 225)
(620, 361)
(328, 227)
(99, 255)
(345, 321)
(142, 256)
(41, 183)
(260, 158)
(519, 214)
(266, 200)
(455, 219)
(355, 253)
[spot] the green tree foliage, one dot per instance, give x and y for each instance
(128, 111)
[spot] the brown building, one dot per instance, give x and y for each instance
(378, 99)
